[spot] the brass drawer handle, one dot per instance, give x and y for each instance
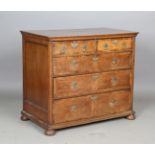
(74, 85)
(94, 77)
(74, 64)
(93, 98)
(113, 103)
(74, 44)
(114, 61)
(73, 108)
(105, 45)
(84, 48)
(95, 58)
(114, 81)
(114, 42)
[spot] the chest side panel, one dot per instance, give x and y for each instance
(36, 78)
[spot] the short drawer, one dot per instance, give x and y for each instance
(73, 48)
(91, 63)
(71, 109)
(91, 83)
(109, 45)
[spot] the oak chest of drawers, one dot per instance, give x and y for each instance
(74, 77)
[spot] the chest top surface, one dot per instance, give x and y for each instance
(78, 32)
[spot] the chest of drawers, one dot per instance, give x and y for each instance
(74, 77)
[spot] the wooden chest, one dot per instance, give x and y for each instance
(74, 77)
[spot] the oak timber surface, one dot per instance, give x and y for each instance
(78, 32)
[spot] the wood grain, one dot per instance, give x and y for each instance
(35, 79)
(85, 107)
(91, 64)
(111, 45)
(91, 83)
(73, 48)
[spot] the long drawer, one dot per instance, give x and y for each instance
(91, 83)
(91, 106)
(91, 63)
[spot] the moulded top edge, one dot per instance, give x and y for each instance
(70, 33)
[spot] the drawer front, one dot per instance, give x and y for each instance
(114, 102)
(71, 109)
(73, 48)
(91, 83)
(91, 63)
(108, 45)
(91, 106)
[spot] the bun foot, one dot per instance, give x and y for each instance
(131, 116)
(24, 118)
(50, 132)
